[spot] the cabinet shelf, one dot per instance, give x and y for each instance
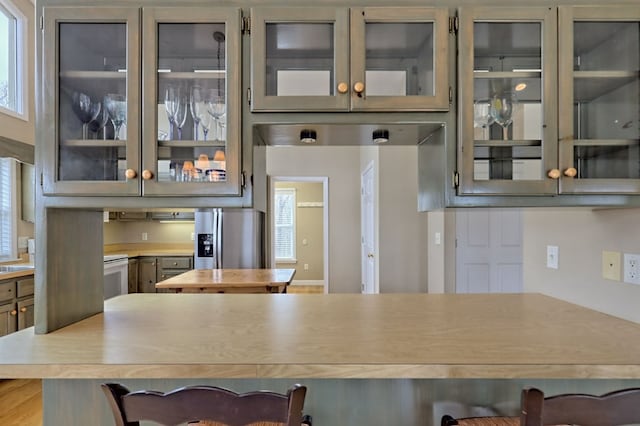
(98, 75)
(589, 85)
(94, 143)
(201, 75)
(605, 142)
(192, 144)
(506, 74)
(506, 143)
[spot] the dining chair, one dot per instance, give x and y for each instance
(207, 405)
(616, 408)
(620, 407)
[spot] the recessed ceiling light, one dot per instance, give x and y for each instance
(380, 136)
(520, 87)
(307, 136)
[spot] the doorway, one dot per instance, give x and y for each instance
(299, 228)
(367, 220)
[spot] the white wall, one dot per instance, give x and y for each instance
(582, 235)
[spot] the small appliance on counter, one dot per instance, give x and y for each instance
(229, 238)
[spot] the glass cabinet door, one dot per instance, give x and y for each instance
(507, 101)
(600, 99)
(299, 59)
(91, 97)
(191, 107)
(399, 59)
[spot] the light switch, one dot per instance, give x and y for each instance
(552, 257)
(304, 242)
(437, 238)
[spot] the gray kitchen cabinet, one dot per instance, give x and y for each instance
(349, 59)
(16, 304)
(107, 139)
(549, 101)
(154, 269)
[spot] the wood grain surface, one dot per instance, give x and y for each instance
(225, 280)
(331, 336)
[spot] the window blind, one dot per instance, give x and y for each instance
(7, 221)
(285, 223)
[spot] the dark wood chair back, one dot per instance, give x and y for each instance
(207, 404)
(615, 408)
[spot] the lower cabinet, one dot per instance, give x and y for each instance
(132, 274)
(16, 304)
(154, 269)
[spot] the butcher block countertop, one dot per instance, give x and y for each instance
(230, 280)
(330, 336)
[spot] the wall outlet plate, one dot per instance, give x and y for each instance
(632, 268)
(611, 265)
(552, 257)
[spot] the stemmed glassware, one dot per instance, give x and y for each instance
(501, 109)
(85, 110)
(195, 106)
(217, 108)
(171, 105)
(117, 107)
(181, 116)
(100, 122)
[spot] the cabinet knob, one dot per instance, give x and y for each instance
(343, 87)
(358, 87)
(554, 174)
(13, 313)
(23, 309)
(147, 174)
(370, 255)
(130, 174)
(175, 263)
(571, 172)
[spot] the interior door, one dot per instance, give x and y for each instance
(368, 232)
(489, 251)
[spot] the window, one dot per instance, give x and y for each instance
(13, 38)
(7, 210)
(285, 224)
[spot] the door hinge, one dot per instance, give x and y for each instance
(456, 179)
(450, 95)
(243, 180)
(249, 95)
(41, 179)
(246, 25)
(41, 23)
(453, 25)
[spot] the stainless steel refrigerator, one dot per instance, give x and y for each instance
(229, 238)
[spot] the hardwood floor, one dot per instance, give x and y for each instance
(21, 402)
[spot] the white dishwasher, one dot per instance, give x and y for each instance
(116, 275)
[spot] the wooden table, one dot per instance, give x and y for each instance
(230, 281)
(405, 351)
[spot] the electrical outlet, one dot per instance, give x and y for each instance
(306, 266)
(145, 236)
(632, 268)
(611, 265)
(193, 236)
(552, 257)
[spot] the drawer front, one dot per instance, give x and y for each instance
(7, 291)
(25, 287)
(175, 262)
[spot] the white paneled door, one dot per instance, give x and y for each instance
(489, 251)
(368, 258)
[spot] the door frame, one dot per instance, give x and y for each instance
(370, 167)
(324, 180)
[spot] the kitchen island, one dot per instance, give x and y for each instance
(229, 281)
(406, 350)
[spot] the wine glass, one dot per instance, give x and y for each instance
(117, 107)
(195, 106)
(85, 110)
(481, 116)
(205, 120)
(501, 109)
(171, 104)
(181, 116)
(217, 108)
(100, 122)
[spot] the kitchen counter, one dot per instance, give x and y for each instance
(230, 281)
(331, 336)
(16, 274)
(150, 249)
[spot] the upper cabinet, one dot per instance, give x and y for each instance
(599, 133)
(507, 93)
(141, 109)
(358, 59)
(516, 136)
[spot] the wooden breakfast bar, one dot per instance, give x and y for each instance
(366, 359)
(229, 281)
